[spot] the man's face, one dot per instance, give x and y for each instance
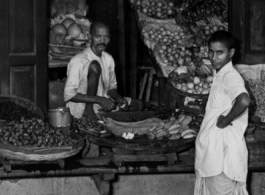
(100, 38)
(219, 54)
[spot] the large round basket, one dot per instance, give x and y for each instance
(41, 154)
(140, 144)
(178, 91)
(30, 106)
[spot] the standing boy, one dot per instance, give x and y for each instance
(221, 152)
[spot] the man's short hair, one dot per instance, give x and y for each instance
(98, 24)
(224, 37)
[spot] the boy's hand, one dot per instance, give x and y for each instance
(222, 122)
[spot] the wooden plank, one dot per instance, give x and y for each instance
(170, 158)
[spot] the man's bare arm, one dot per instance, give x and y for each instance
(105, 103)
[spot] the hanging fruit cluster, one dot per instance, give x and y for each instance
(199, 10)
(183, 40)
(156, 9)
(166, 36)
(175, 56)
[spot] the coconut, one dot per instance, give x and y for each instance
(74, 30)
(67, 22)
(59, 29)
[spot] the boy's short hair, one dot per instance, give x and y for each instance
(98, 24)
(224, 37)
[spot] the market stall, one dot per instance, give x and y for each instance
(160, 140)
(157, 140)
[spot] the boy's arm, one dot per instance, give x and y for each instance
(242, 101)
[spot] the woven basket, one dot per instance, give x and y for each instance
(141, 144)
(67, 51)
(196, 96)
(172, 83)
(28, 153)
(30, 106)
(58, 51)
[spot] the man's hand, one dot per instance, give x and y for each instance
(222, 122)
(122, 103)
(106, 104)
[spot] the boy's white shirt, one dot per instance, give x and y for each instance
(223, 150)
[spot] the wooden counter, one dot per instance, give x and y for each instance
(104, 165)
(104, 170)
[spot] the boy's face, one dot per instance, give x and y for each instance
(219, 54)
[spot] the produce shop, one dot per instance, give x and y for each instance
(98, 97)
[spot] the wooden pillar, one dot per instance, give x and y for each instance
(102, 182)
(134, 38)
(122, 50)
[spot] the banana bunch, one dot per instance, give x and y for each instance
(173, 129)
(205, 69)
(200, 69)
(191, 68)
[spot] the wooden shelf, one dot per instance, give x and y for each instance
(58, 63)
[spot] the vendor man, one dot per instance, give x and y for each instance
(91, 83)
(221, 152)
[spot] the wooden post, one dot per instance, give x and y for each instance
(122, 49)
(134, 38)
(102, 182)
